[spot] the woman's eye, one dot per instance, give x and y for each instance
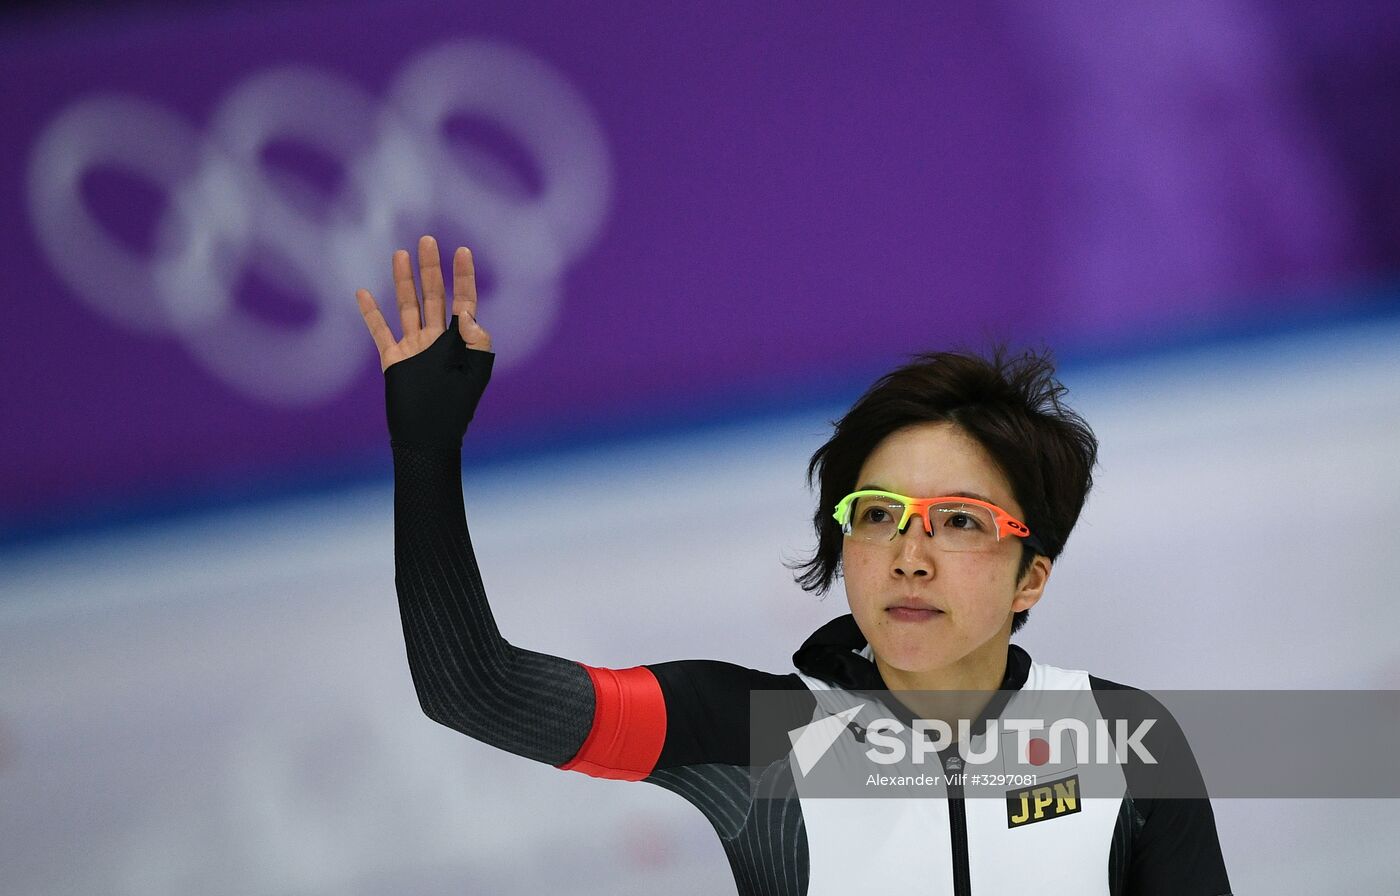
(963, 521)
(876, 515)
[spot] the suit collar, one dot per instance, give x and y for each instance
(838, 653)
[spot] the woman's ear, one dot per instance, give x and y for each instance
(1032, 584)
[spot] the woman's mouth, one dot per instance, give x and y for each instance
(912, 614)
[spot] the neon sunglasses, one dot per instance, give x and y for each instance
(989, 522)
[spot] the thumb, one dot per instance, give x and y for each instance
(473, 333)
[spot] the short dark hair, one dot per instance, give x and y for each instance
(1010, 404)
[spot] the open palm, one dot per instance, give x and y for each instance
(421, 327)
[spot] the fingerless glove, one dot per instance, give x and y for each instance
(431, 397)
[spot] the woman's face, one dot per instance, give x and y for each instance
(975, 594)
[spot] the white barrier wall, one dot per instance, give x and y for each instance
(224, 707)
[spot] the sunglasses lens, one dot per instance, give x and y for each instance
(963, 527)
(875, 517)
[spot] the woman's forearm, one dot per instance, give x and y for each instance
(467, 676)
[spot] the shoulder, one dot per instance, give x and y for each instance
(1166, 768)
(1046, 677)
(1157, 758)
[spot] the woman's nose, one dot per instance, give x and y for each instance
(915, 556)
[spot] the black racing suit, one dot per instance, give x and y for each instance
(685, 725)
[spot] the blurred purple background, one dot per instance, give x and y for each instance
(679, 214)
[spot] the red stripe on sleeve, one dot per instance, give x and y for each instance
(629, 725)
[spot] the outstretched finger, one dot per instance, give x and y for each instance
(463, 283)
(430, 273)
(407, 295)
(378, 328)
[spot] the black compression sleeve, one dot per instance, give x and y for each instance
(467, 676)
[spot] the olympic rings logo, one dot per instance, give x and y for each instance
(225, 217)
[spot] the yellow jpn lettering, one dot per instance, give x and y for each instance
(1036, 802)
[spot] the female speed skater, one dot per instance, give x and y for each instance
(946, 493)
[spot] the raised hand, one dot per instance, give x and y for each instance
(433, 377)
(418, 333)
